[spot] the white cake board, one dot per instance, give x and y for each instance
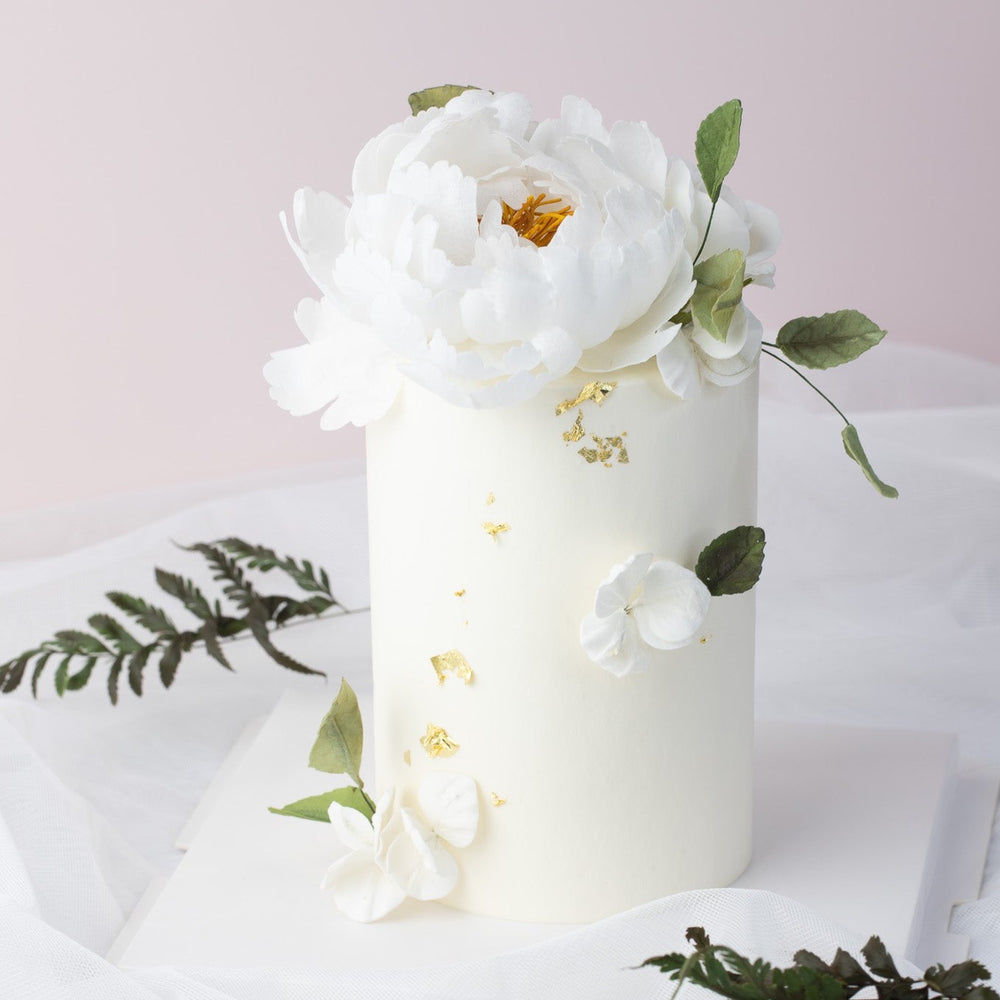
(871, 828)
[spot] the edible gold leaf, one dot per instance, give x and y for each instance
(437, 742)
(597, 391)
(452, 662)
(460, 593)
(496, 800)
(406, 758)
(491, 499)
(576, 432)
(493, 529)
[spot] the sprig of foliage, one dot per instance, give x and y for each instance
(78, 652)
(810, 341)
(729, 974)
(337, 750)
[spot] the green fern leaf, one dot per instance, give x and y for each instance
(136, 664)
(76, 681)
(149, 616)
(257, 621)
(116, 633)
(62, 675)
(113, 676)
(37, 672)
(185, 591)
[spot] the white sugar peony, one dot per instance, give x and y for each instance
(640, 606)
(483, 255)
(692, 355)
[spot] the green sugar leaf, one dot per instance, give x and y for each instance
(717, 145)
(436, 97)
(337, 749)
(828, 340)
(852, 445)
(731, 564)
(317, 807)
(718, 292)
(878, 959)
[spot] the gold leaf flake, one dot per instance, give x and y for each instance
(491, 499)
(703, 641)
(597, 391)
(452, 662)
(494, 529)
(496, 800)
(576, 432)
(406, 758)
(437, 742)
(605, 450)
(460, 593)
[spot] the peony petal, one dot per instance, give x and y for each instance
(361, 890)
(678, 367)
(603, 637)
(729, 371)
(672, 607)
(450, 804)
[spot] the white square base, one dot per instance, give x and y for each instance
(855, 823)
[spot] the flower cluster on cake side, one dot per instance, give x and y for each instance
(483, 255)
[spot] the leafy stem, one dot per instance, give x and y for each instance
(704, 239)
(724, 971)
(256, 616)
(812, 385)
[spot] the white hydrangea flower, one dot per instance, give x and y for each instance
(401, 852)
(483, 255)
(643, 605)
(692, 355)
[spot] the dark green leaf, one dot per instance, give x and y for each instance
(171, 660)
(136, 665)
(338, 745)
(731, 564)
(76, 681)
(257, 622)
(82, 643)
(37, 673)
(852, 445)
(113, 675)
(264, 559)
(847, 968)
(828, 340)
(62, 675)
(147, 615)
(719, 290)
(956, 981)
(317, 807)
(185, 591)
(718, 144)
(436, 97)
(116, 633)
(13, 671)
(878, 959)
(807, 960)
(981, 993)
(209, 634)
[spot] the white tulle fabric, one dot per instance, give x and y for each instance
(420, 278)
(899, 629)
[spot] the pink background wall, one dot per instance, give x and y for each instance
(148, 147)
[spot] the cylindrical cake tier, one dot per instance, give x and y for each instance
(490, 532)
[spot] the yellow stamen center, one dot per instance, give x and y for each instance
(536, 219)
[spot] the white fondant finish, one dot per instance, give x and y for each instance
(618, 790)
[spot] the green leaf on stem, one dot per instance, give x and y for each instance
(718, 292)
(718, 144)
(317, 807)
(731, 564)
(337, 749)
(852, 445)
(828, 340)
(436, 97)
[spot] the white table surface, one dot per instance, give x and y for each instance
(871, 613)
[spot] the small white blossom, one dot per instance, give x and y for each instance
(643, 605)
(401, 852)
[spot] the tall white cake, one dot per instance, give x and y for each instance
(490, 532)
